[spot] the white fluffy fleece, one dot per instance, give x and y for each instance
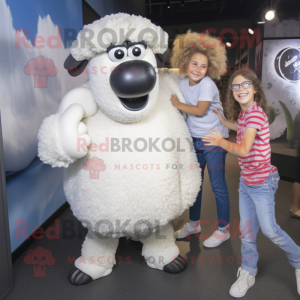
(115, 29)
(49, 150)
(158, 249)
(157, 194)
(130, 195)
(160, 244)
(139, 190)
(93, 248)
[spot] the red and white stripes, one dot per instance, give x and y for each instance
(256, 165)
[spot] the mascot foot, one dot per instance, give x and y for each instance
(175, 266)
(84, 273)
(77, 277)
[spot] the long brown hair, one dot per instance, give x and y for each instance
(232, 107)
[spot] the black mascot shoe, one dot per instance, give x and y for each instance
(176, 266)
(77, 277)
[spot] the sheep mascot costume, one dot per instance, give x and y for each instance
(130, 164)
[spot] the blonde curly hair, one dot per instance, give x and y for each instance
(186, 45)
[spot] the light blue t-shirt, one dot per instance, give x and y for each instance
(205, 90)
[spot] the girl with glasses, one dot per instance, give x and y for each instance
(202, 58)
(246, 108)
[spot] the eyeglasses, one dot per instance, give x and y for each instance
(246, 85)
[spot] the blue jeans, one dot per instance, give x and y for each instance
(213, 158)
(257, 209)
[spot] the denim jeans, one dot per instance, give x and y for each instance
(257, 210)
(213, 158)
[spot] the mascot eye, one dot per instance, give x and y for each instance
(136, 51)
(117, 53)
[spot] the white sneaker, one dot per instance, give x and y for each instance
(216, 239)
(186, 230)
(298, 280)
(243, 284)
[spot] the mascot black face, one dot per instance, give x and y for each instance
(132, 80)
(126, 73)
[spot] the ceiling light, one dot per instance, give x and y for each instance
(168, 3)
(182, 2)
(261, 20)
(270, 15)
(250, 31)
(227, 40)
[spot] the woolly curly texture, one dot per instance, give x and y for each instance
(231, 107)
(49, 150)
(114, 30)
(186, 45)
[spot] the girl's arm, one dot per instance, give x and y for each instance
(224, 122)
(198, 110)
(241, 149)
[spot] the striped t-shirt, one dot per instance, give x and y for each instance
(256, 165)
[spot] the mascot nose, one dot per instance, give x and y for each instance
(133, 79)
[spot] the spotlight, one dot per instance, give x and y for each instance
(168, 3)
(261, 20)
(250, 31)
(182, 2)
(227, 40)
(270, 15)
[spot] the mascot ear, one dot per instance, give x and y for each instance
(161, 58)
(75, 67)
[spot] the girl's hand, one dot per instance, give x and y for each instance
(229, 124)
(175, 101)
(213, 140)
(222, 119)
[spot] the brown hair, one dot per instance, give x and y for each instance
(232, 107)
(186, 45)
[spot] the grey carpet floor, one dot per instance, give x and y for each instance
(209, 275)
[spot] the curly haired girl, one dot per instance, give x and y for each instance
(246, 111)
(202, 58)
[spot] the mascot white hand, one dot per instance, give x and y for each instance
(72, 133)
